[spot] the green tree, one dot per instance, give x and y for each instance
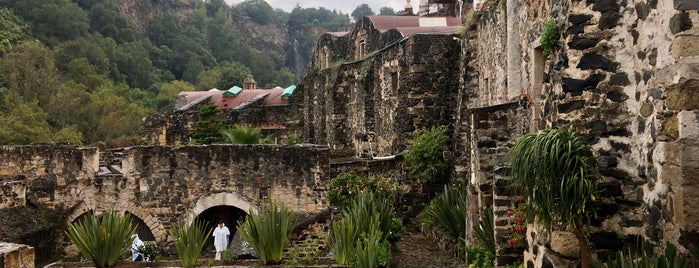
(557, 173)
(258, 10)
(12, 30)
(167, 95)
(232, 74)
(361, 11)
(23, 123)
(208, 129)
(29, 70)
(82, 72)
(86, 48)
(106, 19)
(387, 11)
(52, 21)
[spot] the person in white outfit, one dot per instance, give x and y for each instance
(135, 255)
(221, 234)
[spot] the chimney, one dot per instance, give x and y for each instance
(249, 83)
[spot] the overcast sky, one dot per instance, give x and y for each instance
(346, 6)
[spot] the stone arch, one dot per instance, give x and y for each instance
(155, 227)
(218, 199)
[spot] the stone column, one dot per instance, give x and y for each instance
(514, 55)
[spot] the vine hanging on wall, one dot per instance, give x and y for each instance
(549, 37)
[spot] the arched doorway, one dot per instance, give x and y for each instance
(142, 230)
(230, 216)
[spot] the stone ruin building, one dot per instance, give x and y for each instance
(268, 109)
(624, 73)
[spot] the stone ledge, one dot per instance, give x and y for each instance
(16, 255)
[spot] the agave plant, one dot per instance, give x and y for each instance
(102, 240)
(448, 209)
(241, 135)
(189, 241)
(557, 173)
(369, 219)
(485, 232)
(268, 232)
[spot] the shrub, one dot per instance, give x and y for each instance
(448, 210)
(424, 159)
(549, 37)
(189, 241)
(102, 240)
(346, 186)
(268, 232)
(479, 257)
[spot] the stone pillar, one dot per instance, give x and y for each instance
(514, 55)
(16, 256)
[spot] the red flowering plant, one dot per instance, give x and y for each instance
(517, 217)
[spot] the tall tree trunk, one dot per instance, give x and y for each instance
(585, 256)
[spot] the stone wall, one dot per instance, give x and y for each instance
(16, 256)
(160, 185)
(624, 75)
(372, 105)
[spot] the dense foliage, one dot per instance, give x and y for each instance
(101, 240)
(424, 159)
(268, 231)
(447, 210)
(85, 72)
(346, 186)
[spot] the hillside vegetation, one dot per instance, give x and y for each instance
(88, 71)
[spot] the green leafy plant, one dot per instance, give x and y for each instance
(228, 255)
(268, 231)
(557, 173)
(485, 233)
(240, 134)
(517, 219)
(345, 234)
(416, 90)
(371, 250)
(190, 240)
(549, 37)
(448, 209)
(479, 257)
(424, 159)
(346, 186)
(208, 129)
(102, 240)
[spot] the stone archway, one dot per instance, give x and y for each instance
(219, 199)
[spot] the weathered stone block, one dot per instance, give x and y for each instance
(668, 130)
(685, 45)
(686, 4)
(688, 123)
(581, 43)
(564, 243)
(683, 96)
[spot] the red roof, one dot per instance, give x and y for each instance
(272, 97)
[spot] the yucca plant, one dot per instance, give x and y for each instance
(557, 173)
(366, 214)
(485, 232)
(371, 250)
(345, 234)
(102, 240)
(268, 231)
(190, 241)
(241, 135)
(448, 209)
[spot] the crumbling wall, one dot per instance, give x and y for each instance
(624, 75)
(371, 106)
